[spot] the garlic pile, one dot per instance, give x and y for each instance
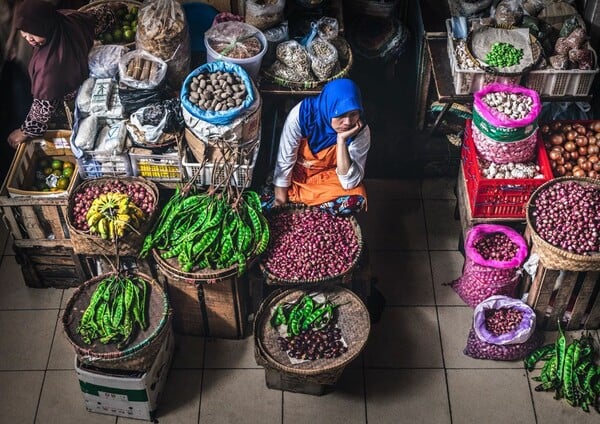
(514, 106)
(510, 170)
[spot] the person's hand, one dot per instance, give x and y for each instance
(281, 196)
(16, 138)
(344, 136)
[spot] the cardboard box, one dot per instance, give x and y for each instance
(131, 395)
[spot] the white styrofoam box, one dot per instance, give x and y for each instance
(131, 395)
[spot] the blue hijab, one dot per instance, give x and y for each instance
(337, 98)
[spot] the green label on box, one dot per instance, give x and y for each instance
(132, 395)
(502, 133)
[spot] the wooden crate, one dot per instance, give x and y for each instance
(571, 296)
(209, 309)
(49, 264)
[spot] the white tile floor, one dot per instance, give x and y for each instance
(412, 371)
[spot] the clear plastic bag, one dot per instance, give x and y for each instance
(163, 32)
(234, 39)
(103, 61)
(143, 70)
(508, 12)
(295, 57)
(323, 58)
(328, 28)
(264, 14)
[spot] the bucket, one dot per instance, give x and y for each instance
(200, 17)
(251, 64)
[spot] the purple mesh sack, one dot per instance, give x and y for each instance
(483, 277)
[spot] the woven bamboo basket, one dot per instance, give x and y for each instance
(113, 4)
(536, 52)
(87, 244)
(341, 278)
(352, 318)
(551, 256)
(346, 59)
(141, 352)
(171, 268)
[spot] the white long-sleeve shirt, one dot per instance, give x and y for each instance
(289, 144)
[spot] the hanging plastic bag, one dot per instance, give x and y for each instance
(328, 28)
(103, 61)
(503, 330)
(493, 255)
(508, 12)
(163, 31)
(264, 14)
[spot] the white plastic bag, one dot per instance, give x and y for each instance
(103, 61)
(151, 133)
(141, 70)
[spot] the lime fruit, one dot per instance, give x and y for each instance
(57, 164)
(68, 165)
(128, 35)
(57, 172)
(67, 172)
(47, 171)
(62, 183)
(117, 35)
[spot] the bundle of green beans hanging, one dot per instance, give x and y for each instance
(569, 370)
(210, 230)
(116, 309)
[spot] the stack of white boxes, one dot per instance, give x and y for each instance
(131, 395)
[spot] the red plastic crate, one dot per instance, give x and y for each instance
(499, 198)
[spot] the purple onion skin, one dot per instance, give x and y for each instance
(496, 246)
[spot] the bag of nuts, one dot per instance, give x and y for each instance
(493, 255)
(264, 14)
(503, 330)
(323, 58)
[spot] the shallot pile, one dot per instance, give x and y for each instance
(496, 246)
(310, 244)
(503, 320)
(567, 215)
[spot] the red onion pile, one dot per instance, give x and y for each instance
(83, 199)
(314, 344)
(496, 246)
(503, 320)
(310, 244)
(567, 215)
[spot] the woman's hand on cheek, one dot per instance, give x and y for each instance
(345, 135)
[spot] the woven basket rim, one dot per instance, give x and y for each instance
(536, 50)
(156, 290)
(170, 267)
(319, 366)
(90, 5)
(100, 181)
(305, 85)
(299, 207)
(551, 255)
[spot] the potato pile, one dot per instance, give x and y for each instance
(573, 148)
(217, 91)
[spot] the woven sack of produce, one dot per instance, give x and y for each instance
(504, 152)
(503, 330)
(506, 112)
(310, 246)
(493, 255)
(218, 108)
(563, 220)
(129, 338)
(341, 317)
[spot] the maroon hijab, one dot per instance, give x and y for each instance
(61, 64)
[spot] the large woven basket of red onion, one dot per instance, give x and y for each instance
(309, 245)
(563, 217)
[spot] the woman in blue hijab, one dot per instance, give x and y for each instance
(323, 150)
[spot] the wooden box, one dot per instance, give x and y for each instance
(95, 265)
(209, 309)
(49, 264)
(571, 296)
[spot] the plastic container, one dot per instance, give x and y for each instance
(251, 64)
(200, 17)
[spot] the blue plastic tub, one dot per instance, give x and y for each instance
(199, 17)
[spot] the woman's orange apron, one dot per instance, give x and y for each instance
(314, 180)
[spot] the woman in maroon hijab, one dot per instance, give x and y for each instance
(61, 41)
